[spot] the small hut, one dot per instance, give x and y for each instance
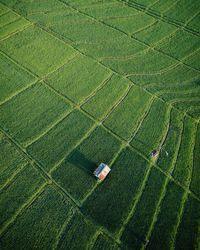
(102, 171)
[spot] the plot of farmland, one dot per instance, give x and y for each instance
(88, 81)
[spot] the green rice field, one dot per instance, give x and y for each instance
(90, 81)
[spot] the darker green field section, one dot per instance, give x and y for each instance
(194, 186)
(107, 206)
(58, 141)
(75, 174)
(36, 108)
(77, 234)
(40, 224)
(168, 219)
(188, 231)
(16, 193)
(139, 224)
(11, 160)
(104, 243)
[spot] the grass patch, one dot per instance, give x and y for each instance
(11, 160)
(77, 234)
(100, 104)
(194, 186)
(55, 144)
(37, 50)
(17, 192)
(36, 109)
(13, 78)
(150, 134)
(126, 117)
(103, 242)
(188, 231)
(78, 78)
(138, 226)
(40, 223)
(183, 166)
(75, 174)
(112, 200)
(170, 147)
(165, 227)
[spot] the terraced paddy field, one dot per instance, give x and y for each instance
(90, 81)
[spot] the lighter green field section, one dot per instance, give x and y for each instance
(58, 141)
(150, 133)
(36, 108)
(40, 224)
(75, 174)
(183, 168)
(13, 78)
(103, 101)
(37, 50)
(78, 78)
(11, 22)
(170, 148)
(126, 117)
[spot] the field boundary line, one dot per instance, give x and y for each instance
(14, 174)
(20, 91)
(185, 197)
(156, 213)
(49, 128)
(23, 208)
(87, 135)
(38, 167)
(97, 89)
(161, 16)
(60, 233)
(118, 102)
(187, 192)
(135, 201)
(17, 31)
(20, 65)
(163, 137)
(93, 240)
(143, 117)
(71, 58)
